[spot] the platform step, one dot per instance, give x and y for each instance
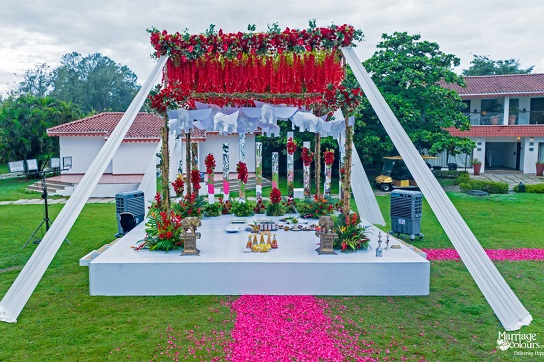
(52, 187)
(86, 260)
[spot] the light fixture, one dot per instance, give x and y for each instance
(518, 138)
(532, 140)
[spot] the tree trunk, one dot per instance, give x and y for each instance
(346, 182)
(165, 166)
(317, 155)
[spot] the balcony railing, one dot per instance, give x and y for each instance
(497, 118)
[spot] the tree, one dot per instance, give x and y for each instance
(23, 124)
(95, 83)
(407, 71)
(36, 81)
(482, 65)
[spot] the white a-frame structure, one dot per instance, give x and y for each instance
(502, 299)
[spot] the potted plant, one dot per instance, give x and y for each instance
(477, 166)
(513, 116)
(539, 168)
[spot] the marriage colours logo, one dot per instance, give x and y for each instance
(526, 343)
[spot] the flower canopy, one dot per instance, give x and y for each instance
(292, 66)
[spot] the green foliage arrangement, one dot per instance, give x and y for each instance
(190, 205)
(316, 208)
(163, 228)
(275, 209)
(488, 186)
(242, 209)
(532, 188)
(214, 209)
(352, 236)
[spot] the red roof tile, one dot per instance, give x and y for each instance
(489, 86)
(145, 128)
(500, 131)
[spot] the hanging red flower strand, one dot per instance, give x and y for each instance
(209, 161)
(328, 157)
(178, 186)
(195, 179)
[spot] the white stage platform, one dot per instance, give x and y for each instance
(223, 268)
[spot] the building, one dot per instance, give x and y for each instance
(507, 117)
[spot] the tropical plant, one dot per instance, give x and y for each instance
(190, 205)
(352, 235)
(275, 208)
(315, 208)
(163, 228)
(242, 209)
(214, 209)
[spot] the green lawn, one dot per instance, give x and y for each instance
(4, 168)
(15, 189)
(62, 322)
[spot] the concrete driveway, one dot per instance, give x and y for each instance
(511, 177)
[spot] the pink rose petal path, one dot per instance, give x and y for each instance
(494, 254)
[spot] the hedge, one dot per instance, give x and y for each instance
(488, 186)
(533, 188)
(449, 173)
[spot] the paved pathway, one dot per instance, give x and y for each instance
(513, 178)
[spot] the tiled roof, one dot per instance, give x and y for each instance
(500, 131)
(145, 128)
(489, 86)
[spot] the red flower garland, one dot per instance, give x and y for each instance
(328, 157)
(241, 168)
(291, 146)
(195, 179)
(179, 186)
(342, 97)
(307, 156)
(209, 161)
(275, 196)
(172, 97)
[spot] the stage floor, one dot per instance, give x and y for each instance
(223, 268)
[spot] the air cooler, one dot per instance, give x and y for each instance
(406, 210)
(130, 201)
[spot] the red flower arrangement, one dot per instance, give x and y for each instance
(195, 179)
(241, 168)
(179, 186)
(275, 196)
(172, 97)
(307, 156)
(232, 45)
(342, 97)
(259, 207)
(328, 157)
(291, 146)
(209, 161)
(225, 206)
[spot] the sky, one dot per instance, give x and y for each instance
(37, 31)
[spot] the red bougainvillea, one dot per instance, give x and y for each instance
(291, 146)
(209, 161)
(241, 168)
(307, 156)
(328, 157)
(275, 196)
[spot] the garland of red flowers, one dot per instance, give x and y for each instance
(178, 186)
(307, 156)
(195, 179)
(209, 161)
(342, 97)
(291, 146)
(186, 47)
(241, 168)
(275, 196)
(328, 157)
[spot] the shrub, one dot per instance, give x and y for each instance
(242, 209)
(449, 173)
(462, 178)
(488, 186)
(534, 189)
(315, 208)
(214, 209)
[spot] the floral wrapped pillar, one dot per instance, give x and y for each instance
(226, 186)
(291, 148)
(328, 157)
(275, 170)
(210, 167)
(307, 158)
(241, 168)
(259, 170)
(341, 170)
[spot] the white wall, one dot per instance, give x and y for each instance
(530, 154)
(133, 157)
(83, 151)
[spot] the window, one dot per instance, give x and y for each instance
(537, 111)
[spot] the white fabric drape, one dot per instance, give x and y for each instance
(511, 313)
(23, 287)
(362, 192)
(149, 182)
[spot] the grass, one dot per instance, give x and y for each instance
(4, 168)
(62, 322)
(15, 189)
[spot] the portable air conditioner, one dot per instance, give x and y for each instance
(129, 201)
(406, 210)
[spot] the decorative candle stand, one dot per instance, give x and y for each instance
(326, 235)
(189, 225)
(379, 249)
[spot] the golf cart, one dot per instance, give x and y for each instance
(395, 174)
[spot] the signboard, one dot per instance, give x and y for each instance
(16, 166)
